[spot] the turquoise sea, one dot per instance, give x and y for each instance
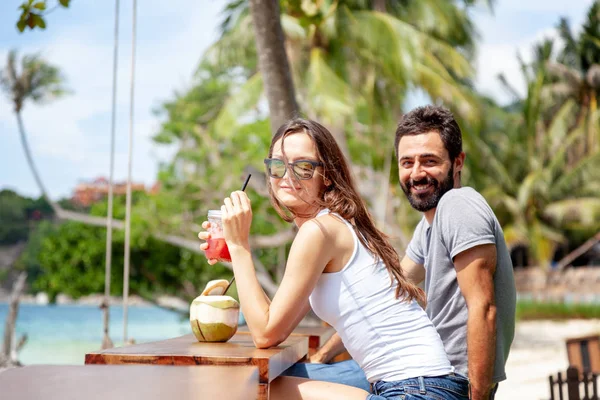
(63, 334)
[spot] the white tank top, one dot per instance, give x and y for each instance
(389, 338)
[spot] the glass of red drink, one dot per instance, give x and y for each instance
(217, 247)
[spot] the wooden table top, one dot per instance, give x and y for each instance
(148, 382)
(186, 350)
(317, 335)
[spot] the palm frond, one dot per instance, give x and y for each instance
(573, 181)
(239, 104)
(582, 210)
(329, 96)
(565, 73)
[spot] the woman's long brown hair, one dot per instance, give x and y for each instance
(341, 197)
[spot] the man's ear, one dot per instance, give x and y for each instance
(459, 163)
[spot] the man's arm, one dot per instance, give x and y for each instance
(475, 269)
(329, 350)
(414, 272)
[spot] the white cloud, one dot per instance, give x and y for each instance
(513, 29)
(547, 6)
(502, 58)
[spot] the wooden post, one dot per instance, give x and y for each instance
(573, 383)
(551, 379)
(560, 386)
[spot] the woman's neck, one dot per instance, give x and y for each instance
(306, 215)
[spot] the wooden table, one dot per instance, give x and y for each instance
(148, 382)
(186, 350)
(317, 335)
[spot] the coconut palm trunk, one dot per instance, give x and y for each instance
(24, 142)
(273, 61)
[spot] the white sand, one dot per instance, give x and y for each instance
(539, 350)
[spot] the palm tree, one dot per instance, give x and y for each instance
(273, 61)
(341, 53)
(33, 79)
(354, 62)
(537, 194)
(576, 76)
(37, 81)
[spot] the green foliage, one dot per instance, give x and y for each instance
(29, 261)
(33, 13)
(533, 310)
(18, 215)
(539, 159)
(14, 226)
(71, 260)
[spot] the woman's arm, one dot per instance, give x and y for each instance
(270, 324)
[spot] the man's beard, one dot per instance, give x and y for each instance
(430, 200)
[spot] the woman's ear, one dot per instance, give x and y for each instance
(327, 182)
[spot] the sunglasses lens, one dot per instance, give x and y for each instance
(276, 168)
(303, 169)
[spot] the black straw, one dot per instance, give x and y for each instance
(246, 183)
(233, 279)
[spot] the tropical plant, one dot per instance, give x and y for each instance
(66, 259)
(575, 76)
(353, 63)
(537, 194)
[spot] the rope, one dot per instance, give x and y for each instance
(128, 204)
(109, 216)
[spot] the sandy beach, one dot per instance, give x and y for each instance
(539, 350)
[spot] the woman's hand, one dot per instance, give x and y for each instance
(204, 235)
(236, 214)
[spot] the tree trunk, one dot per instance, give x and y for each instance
(58, 210)
(273, 62)
(32, 166)
(8, 356)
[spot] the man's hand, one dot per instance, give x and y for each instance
(317, 358)
(328, 351)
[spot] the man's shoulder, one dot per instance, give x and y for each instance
(464, 196)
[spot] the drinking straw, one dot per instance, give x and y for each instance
(233, 279)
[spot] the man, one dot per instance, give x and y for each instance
(458, 249)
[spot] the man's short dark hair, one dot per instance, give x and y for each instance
(432, 118)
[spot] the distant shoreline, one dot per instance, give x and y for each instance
(42, 299)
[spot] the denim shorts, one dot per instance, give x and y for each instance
(445, 387)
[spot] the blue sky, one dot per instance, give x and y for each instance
(70, 137)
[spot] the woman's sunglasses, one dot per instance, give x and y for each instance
(303, 169)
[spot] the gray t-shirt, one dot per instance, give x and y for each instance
(463, 220)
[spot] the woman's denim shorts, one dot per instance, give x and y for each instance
(445, 387)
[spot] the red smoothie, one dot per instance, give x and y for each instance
(217, 248)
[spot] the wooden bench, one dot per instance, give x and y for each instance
(584, 353)
(148, 382)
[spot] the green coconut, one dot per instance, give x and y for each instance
(214, 318)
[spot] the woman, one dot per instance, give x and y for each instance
(341, 266)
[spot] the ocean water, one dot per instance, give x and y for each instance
(63, 334)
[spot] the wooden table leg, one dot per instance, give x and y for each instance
(263, 391)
